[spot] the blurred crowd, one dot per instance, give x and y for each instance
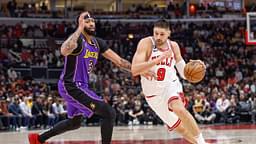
(226, 95)
(25, 103)
(170, 10)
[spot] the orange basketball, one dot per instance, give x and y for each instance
(194, 71)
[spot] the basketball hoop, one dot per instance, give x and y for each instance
(250, 33)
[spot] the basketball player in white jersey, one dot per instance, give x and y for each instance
(164, 92)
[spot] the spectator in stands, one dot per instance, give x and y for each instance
(244, 107)
(44, 8)
(37, 111)
(58, 110)
(12, 6)
(51, 118)
(5, 116)
(198, 107)
(12, 74)
(209, 114)
(232, 111)
(136, 114)
(121, 110)
(29, 119)
(222, 105)
(15, 110)
(202, 109)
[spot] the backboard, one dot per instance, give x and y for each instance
(250, 34)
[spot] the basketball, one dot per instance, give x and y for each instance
(194, 71)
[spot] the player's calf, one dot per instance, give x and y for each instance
(185, 133)
(187, 119)
(108, 115)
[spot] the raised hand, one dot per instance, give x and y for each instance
(81, 23)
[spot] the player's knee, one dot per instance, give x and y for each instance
(179, 110)
(106, 112)
(180, 129)
(75, 122)
(110, 113)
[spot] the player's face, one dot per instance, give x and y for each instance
(89, 26)
(160, 35)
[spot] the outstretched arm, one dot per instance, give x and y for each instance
(117, 60)
(124, 64)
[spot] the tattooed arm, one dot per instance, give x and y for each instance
(70, 44)
(117, 60)
(125, 64)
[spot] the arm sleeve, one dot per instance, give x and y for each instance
(102, 45)
(180, 67)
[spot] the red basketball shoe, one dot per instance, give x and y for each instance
(33, 139)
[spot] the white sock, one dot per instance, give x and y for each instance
(200, 139)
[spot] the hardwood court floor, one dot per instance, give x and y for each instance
(216, 134)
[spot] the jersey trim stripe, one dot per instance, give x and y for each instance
(150, 96)
(74, 76)
(64, 70)
(170, 46)
(174, 126)
(153, 42)
(170, 100)
(77, 102)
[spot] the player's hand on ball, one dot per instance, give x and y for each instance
(201, 62)
(194, 71)
(149, 75)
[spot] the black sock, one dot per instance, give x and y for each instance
(61, 127)
(106, 131)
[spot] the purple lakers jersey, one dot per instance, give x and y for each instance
(82, 60)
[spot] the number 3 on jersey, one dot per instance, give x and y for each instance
(161, 74)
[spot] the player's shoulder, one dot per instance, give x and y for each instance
(99, 39)
(145, 45)
(173, 43)
(102, 44)
(146, 41)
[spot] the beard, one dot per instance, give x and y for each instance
(159, 42)
(89, 32)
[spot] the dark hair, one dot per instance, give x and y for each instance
(77, 20)
(162, 23)
(77, 17)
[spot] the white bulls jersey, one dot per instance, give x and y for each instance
(165, 72)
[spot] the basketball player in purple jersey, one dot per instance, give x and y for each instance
(81, 51)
